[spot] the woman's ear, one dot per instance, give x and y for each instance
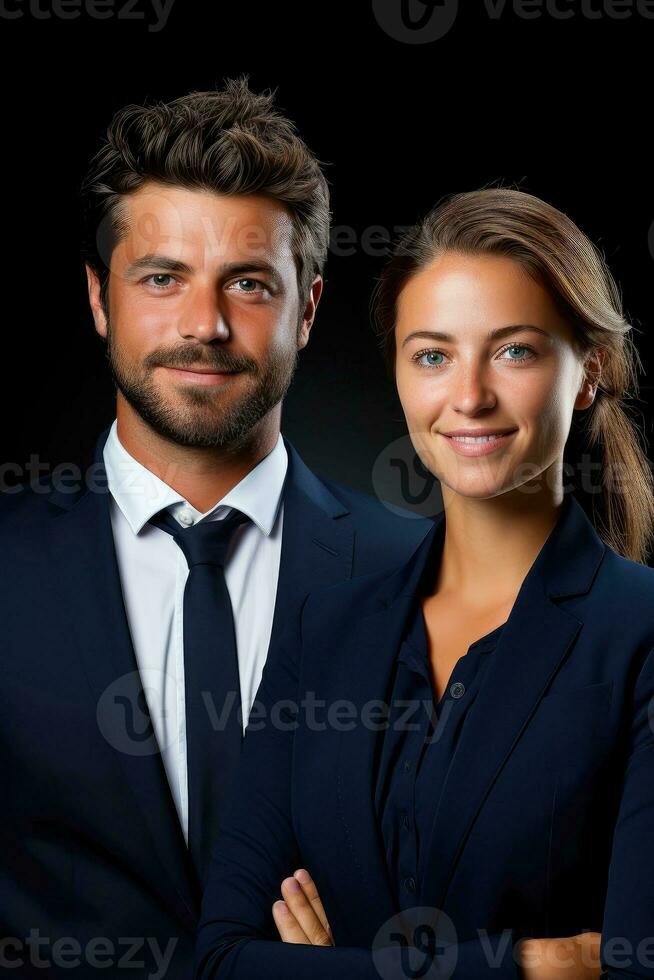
(592, 373)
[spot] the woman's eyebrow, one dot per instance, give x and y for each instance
(492, 335)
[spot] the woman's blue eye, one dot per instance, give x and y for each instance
(433, 353)
(517, 347)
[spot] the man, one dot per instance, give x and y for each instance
(138, 611)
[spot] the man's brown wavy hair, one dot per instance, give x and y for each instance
(229, 141)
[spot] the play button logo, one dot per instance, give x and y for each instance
(416, 21)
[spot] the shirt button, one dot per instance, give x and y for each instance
(457, 690)
(410, 884)
(186, 516)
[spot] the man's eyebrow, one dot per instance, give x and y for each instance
(491, 335)
(160, 261)
(253, 265)
(229, 268)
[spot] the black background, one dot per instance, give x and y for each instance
(560, 108)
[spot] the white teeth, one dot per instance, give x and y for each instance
(476, 438)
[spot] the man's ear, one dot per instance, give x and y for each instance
(310, 312)
(99, 317)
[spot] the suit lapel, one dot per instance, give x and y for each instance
(317, 547)
(532, 646)
(537, 637)
(80, 547)
(367, 667)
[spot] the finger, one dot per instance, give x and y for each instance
(287, 925)
(303, 911)
(588, 944)
(311, 891)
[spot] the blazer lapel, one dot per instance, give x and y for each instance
(532, 646)
(81, 553)
(367, 671)
(536, 639)
(317, 550)
(317, 547)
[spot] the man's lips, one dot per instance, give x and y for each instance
(200, 370)
(200, 375)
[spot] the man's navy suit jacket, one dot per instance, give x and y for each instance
(91, 843)
(545, 826)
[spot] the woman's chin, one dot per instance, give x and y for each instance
(475, 489)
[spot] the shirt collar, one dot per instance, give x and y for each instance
(413, 650)
(140, 493)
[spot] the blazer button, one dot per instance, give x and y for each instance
(457, 690)
(410, 884)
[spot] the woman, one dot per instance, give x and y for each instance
(457, 760)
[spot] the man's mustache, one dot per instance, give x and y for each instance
(189, 362)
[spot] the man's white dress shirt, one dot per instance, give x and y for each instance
(153, 574)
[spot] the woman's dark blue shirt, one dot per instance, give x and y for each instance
(418, 747)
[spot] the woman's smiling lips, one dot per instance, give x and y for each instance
(477, 442)
(201, 376)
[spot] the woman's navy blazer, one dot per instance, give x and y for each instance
(546, 821)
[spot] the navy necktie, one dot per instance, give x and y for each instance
(212, 692)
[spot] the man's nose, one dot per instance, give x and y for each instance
(203, 318)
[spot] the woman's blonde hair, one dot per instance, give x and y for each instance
(555, 252)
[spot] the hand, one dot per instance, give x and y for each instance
(300, 916)
(571, 958)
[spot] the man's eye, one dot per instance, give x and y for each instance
(155, 280)
(250, 285)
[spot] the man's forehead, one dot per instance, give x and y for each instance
(180, 222)
(183, 208)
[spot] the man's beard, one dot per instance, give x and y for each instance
(209, 418)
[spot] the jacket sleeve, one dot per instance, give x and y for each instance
(256, 849)
(627, 945)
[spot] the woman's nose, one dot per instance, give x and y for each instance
(470, 389)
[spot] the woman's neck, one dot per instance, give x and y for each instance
(490, 544)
